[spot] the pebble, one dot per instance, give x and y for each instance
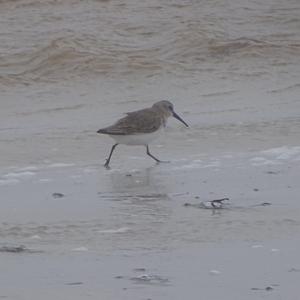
(57, 195)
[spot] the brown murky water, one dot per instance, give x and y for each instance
(69, 67)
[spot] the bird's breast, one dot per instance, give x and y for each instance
(136, 139)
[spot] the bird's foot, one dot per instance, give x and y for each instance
(106, 165)
(163, 161)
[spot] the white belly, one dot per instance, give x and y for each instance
(136, 139)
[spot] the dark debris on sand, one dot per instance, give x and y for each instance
(57, 195)
(75, 283)
(18, 249)
(211, 204)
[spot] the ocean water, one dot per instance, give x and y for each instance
(68, 68)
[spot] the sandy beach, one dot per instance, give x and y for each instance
(71, 229)
(129, 233)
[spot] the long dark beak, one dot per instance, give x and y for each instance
(178, 118)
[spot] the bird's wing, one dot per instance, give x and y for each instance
(137, 122)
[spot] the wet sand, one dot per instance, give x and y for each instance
(229, 270)
(128, 233)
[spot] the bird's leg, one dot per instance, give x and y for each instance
(106, 165)
(156, 159)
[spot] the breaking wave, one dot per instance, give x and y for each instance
(119, 39)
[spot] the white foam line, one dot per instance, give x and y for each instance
(60, 165)
(266, 162)
(81, 249)
(283, 152)
(28, 168)
(198, 164)
(45, 180)
(9, 181)
(19, 174)
(118, 230)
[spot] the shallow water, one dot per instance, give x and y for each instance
(102, 210)
(60, 40)
(68, 68)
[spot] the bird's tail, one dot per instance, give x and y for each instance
(103, 131)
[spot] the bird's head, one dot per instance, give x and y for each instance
(167, 109)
